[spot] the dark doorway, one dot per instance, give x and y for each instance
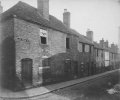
(67, 69)
(75, 68)
(26, 71)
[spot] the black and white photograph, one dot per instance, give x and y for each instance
(59, 49)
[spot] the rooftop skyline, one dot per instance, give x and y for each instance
(101, 16)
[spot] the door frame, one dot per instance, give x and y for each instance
(22, 76)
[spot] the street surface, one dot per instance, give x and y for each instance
(95, 89)
(92, 90)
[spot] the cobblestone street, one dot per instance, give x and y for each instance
(92, 90)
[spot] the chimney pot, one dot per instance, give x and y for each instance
(102, 42)
(65, 10)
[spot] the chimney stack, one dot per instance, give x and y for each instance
(106, 44)
(43, 8)
(102, 42)
(66, 18)
(112, 45)
(89, 35)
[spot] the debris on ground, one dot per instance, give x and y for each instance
(115, 89)
(111, 91)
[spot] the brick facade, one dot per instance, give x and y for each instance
(28, 45)
(26, 58)
(8, 53)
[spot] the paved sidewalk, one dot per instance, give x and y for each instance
(46, 89)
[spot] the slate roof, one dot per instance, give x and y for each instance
(98, 46)
(82, 38)
(26, 12)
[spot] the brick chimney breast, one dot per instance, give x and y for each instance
(106, 44)
(43, 8)
(66, 18)
(102, 42)
(89, 35)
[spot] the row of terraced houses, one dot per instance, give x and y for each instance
(39, 49)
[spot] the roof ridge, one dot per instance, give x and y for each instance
(21, 2)
(29, 13)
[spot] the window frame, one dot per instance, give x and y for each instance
(80, 44)
(97, 52)
(88, 48)
(83, 47)
(67, 43)
(43, 34)
(43, 41)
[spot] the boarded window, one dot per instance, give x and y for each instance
(43, 33)
(68, 43)
(87, 48)
(106, 55)
(80, 47)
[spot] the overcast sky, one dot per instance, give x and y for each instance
(101, 16)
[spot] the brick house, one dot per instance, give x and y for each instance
(35, 45)
(37, 48)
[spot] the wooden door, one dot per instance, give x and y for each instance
(68, 68)
(27, 71)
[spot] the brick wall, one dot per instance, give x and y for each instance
(56, 42)
(8, 53)
(28, 46)
(27, 41)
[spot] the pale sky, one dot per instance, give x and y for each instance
(101, 16)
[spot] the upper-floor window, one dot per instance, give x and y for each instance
(87, 48)
(91, 49)
(97, 52)
(83, 47)
(43, 40)
(112, 56)
(68, 43)
(43, 36)
(106, 55)
(80, 47)
(101, 54)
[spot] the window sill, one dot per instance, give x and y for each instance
(44, 45)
